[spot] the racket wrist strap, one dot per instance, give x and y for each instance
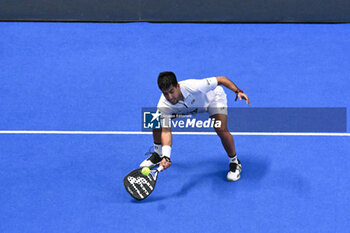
(166, 151)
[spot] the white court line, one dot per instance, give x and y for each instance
(180, 133)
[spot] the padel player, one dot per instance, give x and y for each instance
(186, 97)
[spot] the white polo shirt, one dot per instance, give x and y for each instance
(197, 93)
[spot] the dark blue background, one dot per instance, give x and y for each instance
(177, 10)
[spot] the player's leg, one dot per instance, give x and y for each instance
(154, 159)
(229, 145)
(157, 133)
(218, 109)
(224, 134)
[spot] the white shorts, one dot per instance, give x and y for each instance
(219, 104)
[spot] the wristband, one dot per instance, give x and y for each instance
(166, 151)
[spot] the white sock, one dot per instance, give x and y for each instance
(158, 149)
(233, 159)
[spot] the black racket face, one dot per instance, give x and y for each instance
(138, 185)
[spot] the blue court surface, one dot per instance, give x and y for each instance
(98, 76)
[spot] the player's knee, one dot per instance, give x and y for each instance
(223, 132)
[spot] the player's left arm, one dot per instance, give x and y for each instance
(222, 80)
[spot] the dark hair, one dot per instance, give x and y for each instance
(166, 80)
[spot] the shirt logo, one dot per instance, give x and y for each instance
(193, 101)
(208, 82)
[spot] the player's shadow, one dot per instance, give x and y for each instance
(197, 176)
(253, 171)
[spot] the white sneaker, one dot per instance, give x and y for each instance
(235, 171)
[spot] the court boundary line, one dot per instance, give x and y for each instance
(176, 133)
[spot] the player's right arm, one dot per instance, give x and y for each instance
(166, 138)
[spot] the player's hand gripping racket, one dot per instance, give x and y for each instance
(140, 186)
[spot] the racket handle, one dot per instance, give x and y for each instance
(160, 168)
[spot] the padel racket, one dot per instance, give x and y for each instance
(140, 186)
